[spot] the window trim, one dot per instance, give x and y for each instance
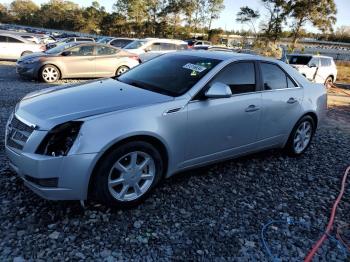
(197, 96)
(284, 71)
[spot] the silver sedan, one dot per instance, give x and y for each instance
(115, 139)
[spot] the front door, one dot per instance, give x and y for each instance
(218, 126)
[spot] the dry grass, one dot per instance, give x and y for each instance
(343, 72)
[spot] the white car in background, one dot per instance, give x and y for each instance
(13, 47)
(149, 48)
(318, 69)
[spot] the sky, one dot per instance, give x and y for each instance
(228, 15)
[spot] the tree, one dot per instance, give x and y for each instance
(278, 11)
(320, 13)
(214, 9)
(23, 11)
(248, 16)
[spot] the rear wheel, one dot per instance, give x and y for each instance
(26, 53)
(301, 136)
(121, 70)
(50, 74)
(127, 174)
(329, 81)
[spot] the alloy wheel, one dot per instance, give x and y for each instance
(302, 137)
(50, 74)
(131, 176)
(122, 70)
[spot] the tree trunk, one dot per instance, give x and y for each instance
(297, 32)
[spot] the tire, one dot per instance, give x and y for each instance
(119, 181)
(304, 130)
(329, 81)
(26, 53)
(121, 70)
(50, 74)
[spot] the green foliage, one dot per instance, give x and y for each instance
(248, 16)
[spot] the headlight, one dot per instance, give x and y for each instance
(31, 61)
(60, 139)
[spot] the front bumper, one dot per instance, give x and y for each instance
(72, 171)
(27, 70)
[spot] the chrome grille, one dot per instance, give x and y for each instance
(18, 133)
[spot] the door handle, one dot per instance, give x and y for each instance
(292, 100)
(252, 108)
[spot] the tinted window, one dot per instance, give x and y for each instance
(182, 47)
(155, 47)
(135, 44)
(169, 74)
(104, 50)
(13, 40)
(240, 77)
(84, 39)
(273, 77)
(167, 47)
(299, 60)
(120, 42)
(85, 50)
(2, 39)
(290, 83)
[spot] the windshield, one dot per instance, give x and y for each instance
(104, 40)
(171, 74)
(299, 60)
(135, 44)
(61, 48)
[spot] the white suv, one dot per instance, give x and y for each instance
(318, 69)
(149, 48)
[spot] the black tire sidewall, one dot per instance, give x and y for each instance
(116, 72)
(101, 177)
(290, 144)
(41, 73)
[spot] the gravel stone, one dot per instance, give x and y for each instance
(214, 213)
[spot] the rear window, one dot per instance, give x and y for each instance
(299, 60)
(171, 75)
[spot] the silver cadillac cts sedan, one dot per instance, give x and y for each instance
(114, 139)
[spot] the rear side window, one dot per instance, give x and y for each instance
(82, 50)
(104, 50)
(167, 47)
(240, 77)
(273, 77)
(299, 60)
(182, 47)
(13, 40)
(120, 42)
(326, 62)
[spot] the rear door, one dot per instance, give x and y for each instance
(106, 61)
(81, 62)
(3, 47)
(12, 48)
(281, 103)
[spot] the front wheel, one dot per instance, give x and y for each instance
(329, 82)
(121, 70)
(301, 136)
(50, 74)
(127, 174)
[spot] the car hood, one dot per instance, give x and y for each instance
(34, 55)
(57, 105)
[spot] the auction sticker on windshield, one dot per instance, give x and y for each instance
(194, 67)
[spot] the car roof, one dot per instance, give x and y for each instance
(320, 56)
(221, 55)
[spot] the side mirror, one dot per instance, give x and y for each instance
(312, 65)
(218, 90)
(66, 53)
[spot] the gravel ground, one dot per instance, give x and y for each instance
(213, 213)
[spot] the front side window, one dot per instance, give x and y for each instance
(170, 74)
(240, 77)
(3, 39)
(135, 44)
(275, 78)
(84, 50)
(120, 43)
(167, 47)
(182, 47)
